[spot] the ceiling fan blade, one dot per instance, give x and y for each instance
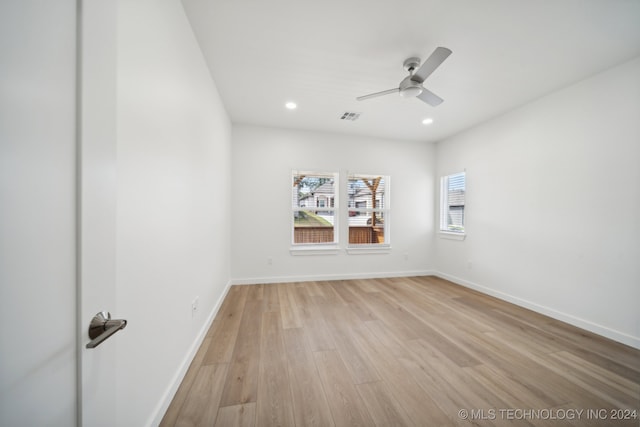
(437, 57)
(430, 98)
(373, 95)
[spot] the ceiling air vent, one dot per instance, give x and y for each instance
(348, 115)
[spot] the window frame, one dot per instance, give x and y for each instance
(444, 226)
(330, 205)
(385, 210)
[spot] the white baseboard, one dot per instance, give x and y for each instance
(604, 331)
(319, 277)
(186, 362)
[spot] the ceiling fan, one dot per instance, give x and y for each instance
(411, 86)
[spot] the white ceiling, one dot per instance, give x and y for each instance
(323, 54)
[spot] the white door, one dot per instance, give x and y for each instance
(37, 213)
(97, 207)
(57, 211)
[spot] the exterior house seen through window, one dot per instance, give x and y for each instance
(314, 203)
(368, 208)
(452, 202)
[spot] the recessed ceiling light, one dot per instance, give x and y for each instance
(427, 121)
(291, 105)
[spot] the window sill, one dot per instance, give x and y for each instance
(452, 236)
(369, 249)
(314, 250)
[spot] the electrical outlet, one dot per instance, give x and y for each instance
(269, 261)
(406, 256)
(194, 306)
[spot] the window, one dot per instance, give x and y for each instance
(368, 208)
(452, 201)
(314, 204)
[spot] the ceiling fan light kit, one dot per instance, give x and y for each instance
(411, 86)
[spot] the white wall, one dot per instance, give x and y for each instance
(553, 196)
(173, 203)
(263, 159)
(37, 213)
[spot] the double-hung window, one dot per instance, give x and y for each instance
(452, 203)
(368, 209)
(314, 208)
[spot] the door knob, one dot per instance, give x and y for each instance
(102, 327)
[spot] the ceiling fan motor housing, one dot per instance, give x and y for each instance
(408, 87)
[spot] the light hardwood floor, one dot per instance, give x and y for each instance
(416, 351)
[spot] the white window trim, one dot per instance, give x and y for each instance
(452, 235)
(318, 248)
(444, 233)
(372, 248)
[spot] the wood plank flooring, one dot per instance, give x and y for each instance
(416, 351)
